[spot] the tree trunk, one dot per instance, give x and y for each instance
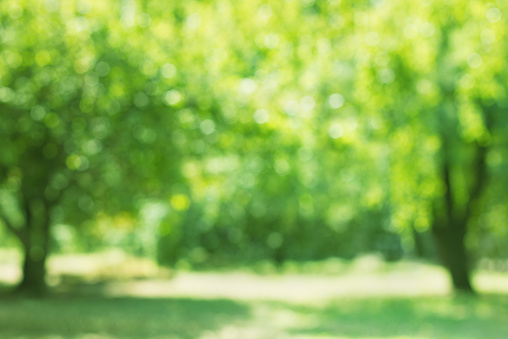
(424, 245)
(450, 221)
(34, 271)
(453, 254)
(35, 240)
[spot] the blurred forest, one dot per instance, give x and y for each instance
(218, 133)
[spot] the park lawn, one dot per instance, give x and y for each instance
(367, 299)
(186, 318)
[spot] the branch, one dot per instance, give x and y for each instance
(480, 179)
(446, 168)
(16, 231)
(449, 203)
(480, 171)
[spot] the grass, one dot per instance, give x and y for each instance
(374, 317)
(408, 318)
(96, 317)
(367, 299)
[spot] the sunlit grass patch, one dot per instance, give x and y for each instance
(309, 282)
(368, 317)
(414, 317)
(366, 298)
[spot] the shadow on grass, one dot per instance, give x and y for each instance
(5, 289)
(85, 310)
(433, 317)
(77, 316)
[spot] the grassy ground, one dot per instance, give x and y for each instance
(374, 317)
(367, 299)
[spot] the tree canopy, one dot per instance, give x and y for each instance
(220, 131)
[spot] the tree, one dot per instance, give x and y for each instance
(76, 141)
(442, 96)
(300, 136)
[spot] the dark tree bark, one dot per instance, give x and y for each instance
(449, 230)
(451, 221)
(34, 237)
(453, 255)
(34, 272)
(424, 244)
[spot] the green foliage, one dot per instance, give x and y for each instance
(287, 130)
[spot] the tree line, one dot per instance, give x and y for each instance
(218, 131)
